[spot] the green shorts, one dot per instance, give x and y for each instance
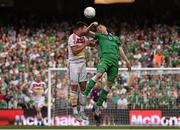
(110, 67)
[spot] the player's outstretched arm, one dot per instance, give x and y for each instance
(124, 57)
(91, 33)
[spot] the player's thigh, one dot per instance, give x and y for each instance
(102, 66)
(82, 76)
(39, 102)
(82, 72)
(112, 73)
(73, 73)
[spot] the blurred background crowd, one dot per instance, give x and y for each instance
(29, 46)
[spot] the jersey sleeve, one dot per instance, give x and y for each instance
(97, 35)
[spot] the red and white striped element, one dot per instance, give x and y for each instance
(73, 40)
(38, 88)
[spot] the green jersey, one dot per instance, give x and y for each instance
(176, 47)
(108, 46)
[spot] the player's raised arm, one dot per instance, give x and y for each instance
(91, 33)
(77, 41)
(124, 57)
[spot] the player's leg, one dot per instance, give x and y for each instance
(73, 76)
(82, 85)
(39, 114)
(39, 103)
(102, 67)
(112, 73)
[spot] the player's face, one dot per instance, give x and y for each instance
(102, 29)
(83, 30)
(38, 78)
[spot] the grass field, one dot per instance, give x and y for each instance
(92, 127)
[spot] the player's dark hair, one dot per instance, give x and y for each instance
(79, 24)
(99, 24)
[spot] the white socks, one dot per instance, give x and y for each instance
(75, 111)
(81, 109)
(94, 78)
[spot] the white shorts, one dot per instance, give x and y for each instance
(39, 102)
(77, 73)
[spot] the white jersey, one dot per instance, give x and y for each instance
(72, 41)
(38, 88)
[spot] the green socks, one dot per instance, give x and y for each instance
(102, 97)
(89, 86)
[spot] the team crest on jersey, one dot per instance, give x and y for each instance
(110, 38)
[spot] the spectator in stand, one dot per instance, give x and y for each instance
(122, 102)
(94, 95)
(158, 58)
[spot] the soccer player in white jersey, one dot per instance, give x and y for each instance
(77, 67)
(38, 89)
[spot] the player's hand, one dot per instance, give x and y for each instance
(88, 42)
(94, 23)
(94, 41)
(129, 66)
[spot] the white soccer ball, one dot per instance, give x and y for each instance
(89, 12)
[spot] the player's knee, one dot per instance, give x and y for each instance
(38, 109)
(74, 88)
(98, 75)
(83, 86)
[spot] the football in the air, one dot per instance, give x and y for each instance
(89, 12)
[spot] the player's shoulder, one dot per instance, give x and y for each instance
(70, 36)
(98, 35)
(73, 37)
(117, 38)
(113, 35)
(33, 82)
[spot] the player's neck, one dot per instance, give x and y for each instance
(106, 33)
(38, 81)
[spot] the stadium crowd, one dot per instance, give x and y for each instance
(28, 50)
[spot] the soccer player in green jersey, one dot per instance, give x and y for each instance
(109, 51)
